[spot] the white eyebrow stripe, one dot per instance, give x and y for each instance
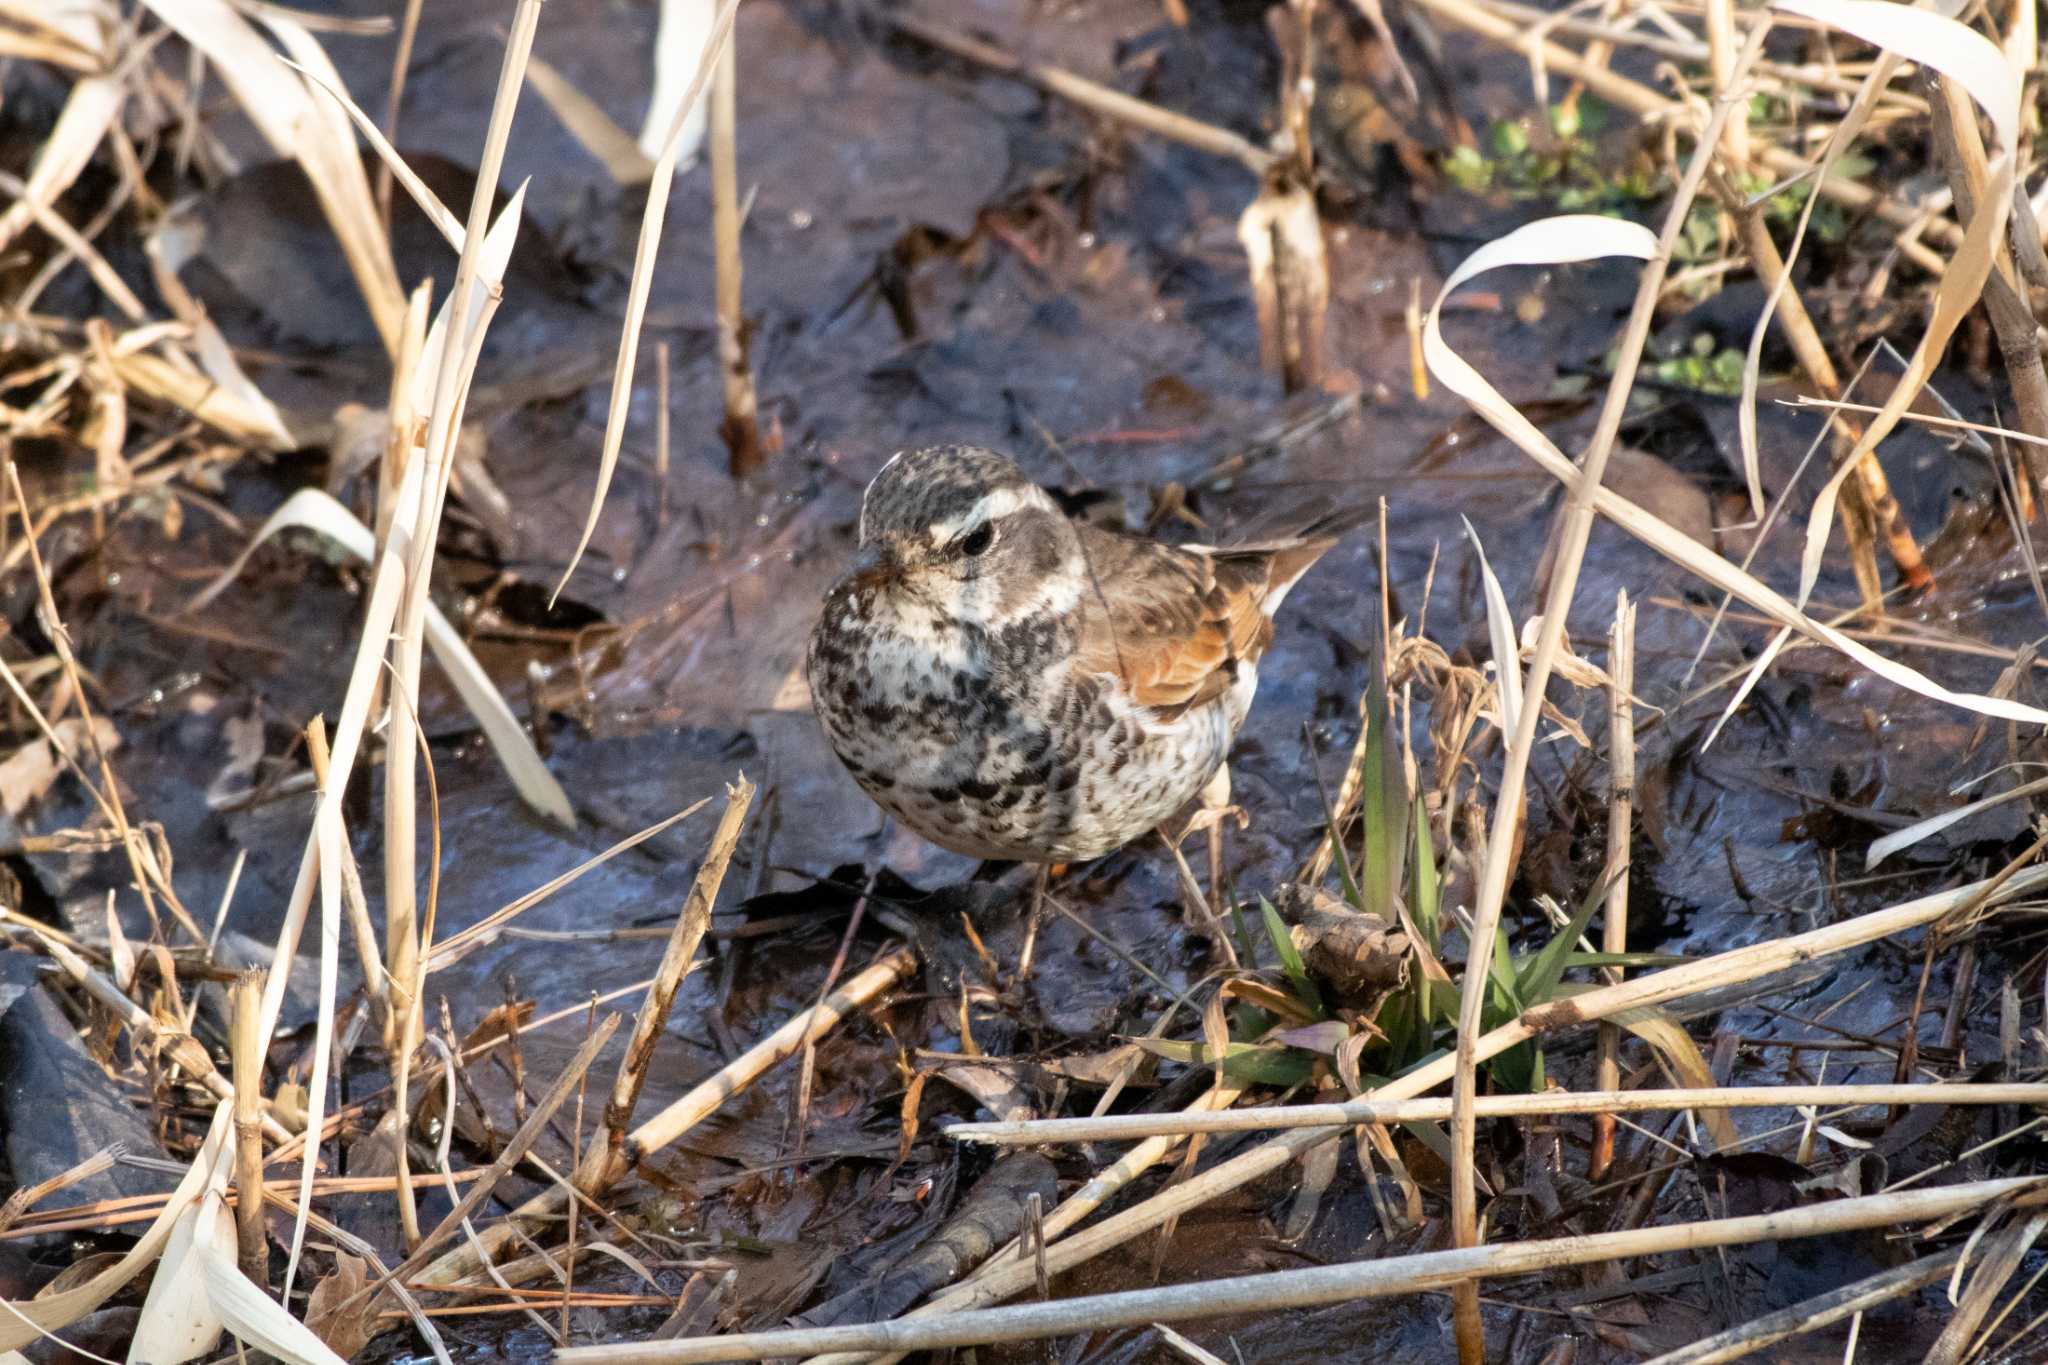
(991, 506)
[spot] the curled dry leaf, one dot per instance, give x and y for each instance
(347, 1332)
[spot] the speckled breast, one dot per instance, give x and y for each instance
(994, 756)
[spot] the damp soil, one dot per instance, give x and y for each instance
(936, 253)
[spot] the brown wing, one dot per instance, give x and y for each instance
(1170, 623)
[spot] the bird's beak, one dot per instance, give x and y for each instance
(876, 569)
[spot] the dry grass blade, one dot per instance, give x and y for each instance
(460, 945)
(392, 163)
(644, 252)
(199, 1289)
(26, 1320)
(312, 509)
(590, 125)
(90, 110)
(1572, 237)
(1314, 1287)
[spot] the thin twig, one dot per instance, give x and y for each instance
(1621, 763)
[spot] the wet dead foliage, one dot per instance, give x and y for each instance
(395, 959)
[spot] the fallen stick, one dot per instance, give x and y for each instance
(1122, 1127)
(1320, 1285)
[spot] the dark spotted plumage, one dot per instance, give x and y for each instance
(1013, 684)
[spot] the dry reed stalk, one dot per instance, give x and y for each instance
(644, 252)
(1796, 325)
(375, 981)
(690, 1110)
(741, 428)
(1960, 150)
(1734, 967)
(412, 941)
(401, 947)
(247, 1053)
(401, 573)
(421, 525)
(1575, 530)
(1090, 95)
(1315, 1287)
(1721, 49)
(606, 1161)
(1124, 1127)
(1621, 766)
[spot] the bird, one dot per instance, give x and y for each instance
(1015, 685)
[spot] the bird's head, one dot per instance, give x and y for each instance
(960, 530)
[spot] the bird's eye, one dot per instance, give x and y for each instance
(978, 540)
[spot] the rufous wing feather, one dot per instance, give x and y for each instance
(1171, 624)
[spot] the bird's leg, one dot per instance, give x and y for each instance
(1040, 879)
(1215, 801)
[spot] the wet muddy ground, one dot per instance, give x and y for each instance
(936, 253)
